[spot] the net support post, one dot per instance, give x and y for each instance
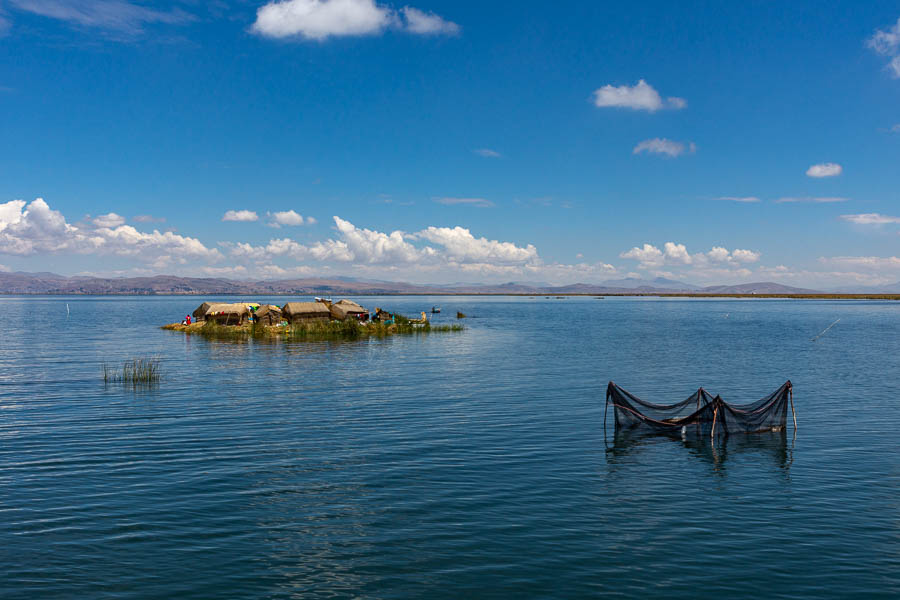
(793, 412)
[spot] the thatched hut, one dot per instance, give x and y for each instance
(199, 313)
(304, 312)
(269, 314)
(346, 309)
(229, 314)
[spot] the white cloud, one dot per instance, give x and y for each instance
(367, 246)
(745, 199)
(488, 153)
(288, 218)
(461, 246)
(454, 248)
(640, 96)
(112, 15)
(866, 262)
(427, 23)
(825, 170)
(648, 255)
(240, 215)
(321, 19)
(870, 219)
(745, 256)
(677, 255)
(811, 199)
(109, 220)
(477, 202)
(664, 146)
(887, 43)
(35, 228)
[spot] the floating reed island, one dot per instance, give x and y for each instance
(318, 320)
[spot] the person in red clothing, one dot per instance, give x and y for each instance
(187, 319)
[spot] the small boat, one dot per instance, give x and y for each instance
(435, 309)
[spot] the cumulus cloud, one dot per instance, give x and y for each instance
(444, 247)
(647, 255)
(477, 202)
(35, 228)
(288, 218)
(427, 23)
(640, 96)
(664, 146)
(461, 246)
(240, 215)
(672, 254)
(321, 19)
(111, 15)
(825, 170)
(886, 42)
(870, 219)
(811, 199)
(488, 153)
(109, 220)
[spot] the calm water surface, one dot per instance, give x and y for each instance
(458, 465)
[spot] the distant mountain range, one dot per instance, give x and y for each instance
(50, 283)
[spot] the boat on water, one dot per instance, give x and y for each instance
(435, 309)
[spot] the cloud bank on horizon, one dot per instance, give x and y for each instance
(36, 230)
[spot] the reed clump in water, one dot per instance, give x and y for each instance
(137, 371)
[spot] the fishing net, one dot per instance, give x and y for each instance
(701, 413)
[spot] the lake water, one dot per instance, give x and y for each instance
(456, 465)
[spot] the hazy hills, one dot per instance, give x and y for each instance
(50, 283)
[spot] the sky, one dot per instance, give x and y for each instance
(706, 142)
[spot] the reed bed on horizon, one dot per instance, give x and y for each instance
(135, 372)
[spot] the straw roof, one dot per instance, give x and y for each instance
(228, 309)
(200, 311)
(267, 308)
(316, 309)
(349, 306)
(343, 308)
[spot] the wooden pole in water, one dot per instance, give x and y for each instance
(712, 433)
(605, 408)
(793, 412)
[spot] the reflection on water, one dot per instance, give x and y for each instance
(772, 447)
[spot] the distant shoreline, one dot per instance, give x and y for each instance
(892, 297)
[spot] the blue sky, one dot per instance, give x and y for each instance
(445, 142)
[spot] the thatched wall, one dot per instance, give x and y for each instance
(269, 314)
(228, 314)
(301, 312)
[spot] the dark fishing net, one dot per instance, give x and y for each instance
(700, 413)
